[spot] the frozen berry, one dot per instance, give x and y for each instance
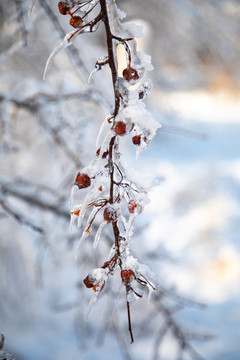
(120, 128)
(130, 74)
(132, 206)
(127, 276)
(75, 212)
(110, 214)
(136, 139)
(63, 7)
(82, 180)
(104, 155)
(76, 21)
(97, 287)
(89, 281)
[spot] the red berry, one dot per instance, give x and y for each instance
(89, 282)
(63, 7)
(136, 139)
(110, 214)
(132, 206)
(76, 21)
(120, 128)
(127, 276)
(104, 155)
(130, 74)
(82, 180)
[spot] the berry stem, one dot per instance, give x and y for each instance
(111, 46)
(129, 321)
(113, 67)
(111, 57)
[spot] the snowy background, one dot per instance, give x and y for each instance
(188, 233)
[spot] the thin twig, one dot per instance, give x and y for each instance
(19, 218)
(21, 20)
(129, 322)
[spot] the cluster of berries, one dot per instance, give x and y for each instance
(83, 181)
(91, 281)
(65, 9)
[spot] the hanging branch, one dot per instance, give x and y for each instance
(105, 188)
(109, 189)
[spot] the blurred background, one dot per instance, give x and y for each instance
(188, 234)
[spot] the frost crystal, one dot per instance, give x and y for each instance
(145, 60)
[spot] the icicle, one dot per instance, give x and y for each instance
(112, 252)
(91, 303)
(73, 192)
(150, 291)
(72, 220)
(91, 74)
(137, 292)
(99, 142)
(85, 234)
(131, 297)
(98, 234)
(124, 221)
(91, 216)
(66, 42)
(129, 225)
(74, 214)
(81, 215)
(84, 206)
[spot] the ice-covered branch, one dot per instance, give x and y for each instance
(106, 184)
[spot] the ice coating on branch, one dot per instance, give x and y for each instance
(91, 303)
(128, 226)
(85, 234)
(73, 193)
(114, 19)
(131, 296)
(107, 187)
(103, 133)
(119, 29)
(91, 75)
